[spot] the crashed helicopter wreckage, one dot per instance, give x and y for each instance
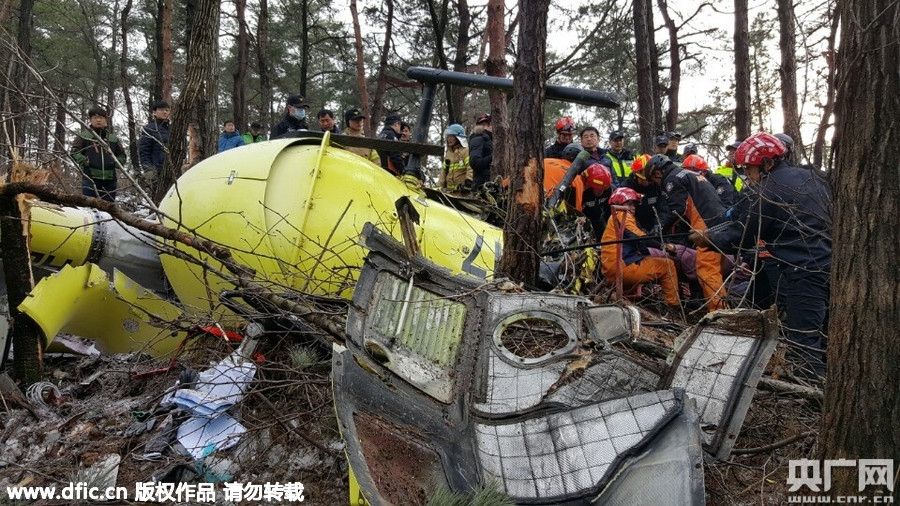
(446, 381)
(466, 383)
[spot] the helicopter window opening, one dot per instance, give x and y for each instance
(533, 337)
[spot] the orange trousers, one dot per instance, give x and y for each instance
(709, 264)
(653, 270)
(709, 274)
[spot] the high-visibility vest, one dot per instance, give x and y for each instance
(730, 174)
(620, 168)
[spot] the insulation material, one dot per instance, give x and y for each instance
(512, 389)
(569, 453)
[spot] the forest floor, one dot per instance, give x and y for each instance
(292, 434)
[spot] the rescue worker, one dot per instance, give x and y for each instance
(672, 147)
(555, 171)
(724, 189)
(565, 130)
(648, 182)
(595, 200)
(255, 134)
(791, 212)
(693, 203)
(617, 158)
(326, 121)
(230, 138)
(637, 266)
(689, 149)
(481, 149)
(153, 145)
(661, 144)
(354, 123)
(391, 161)
(294, 117)
(590, 154)
(457, 174)
(98, 152)
(728, 170)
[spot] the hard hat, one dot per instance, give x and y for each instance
(658, 162)
(695, 163)
(571, 151)
(623, 195)
(456, 130)
(786, 140)
(690, 149)
(758, 148)
(639, 163)
(661, 140)
(598, 178)
(565, 124)
(733, 146)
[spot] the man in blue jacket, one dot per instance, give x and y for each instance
(230, 138)
(790, 209)
(153, 144)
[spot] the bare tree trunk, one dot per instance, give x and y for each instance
(239, 88)
(168, 52)
(23, 334)
(439, 27)
(861, 416)
(380, 80)
(757, 87)
(674, 67)
(262, 59)
(788, 70)
(496, 66)
(15, 90)
(828, 109)
(645, 85)
(304, 45)
(112, 77)
(741, 70)
(654, 65)
(458, 93)
(360, 62)
(126, 86)
(191, 104)
(59, 143)
(522, 229)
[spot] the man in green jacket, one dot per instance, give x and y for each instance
(98, 152)
(255, 134)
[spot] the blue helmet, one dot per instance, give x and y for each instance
(455, 130)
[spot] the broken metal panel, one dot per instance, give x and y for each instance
(541, 433)
(611, 376)
(69, 300)
(674, 459)
(718, 363)
(611, 324)
(512, 388)
(558, 456)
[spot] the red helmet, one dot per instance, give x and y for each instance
(695, 163)
(757, 148)
(565, 124)
(639, 163)
(623, 195)
(598, 178)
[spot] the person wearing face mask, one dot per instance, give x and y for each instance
(294, 118)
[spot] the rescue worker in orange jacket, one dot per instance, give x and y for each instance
(597, 190)
(554, 173)
(693, 204)
(637, 266)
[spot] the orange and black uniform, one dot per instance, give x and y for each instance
(653, 202)
(692, 198)
(637, 266)
(554, 172)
